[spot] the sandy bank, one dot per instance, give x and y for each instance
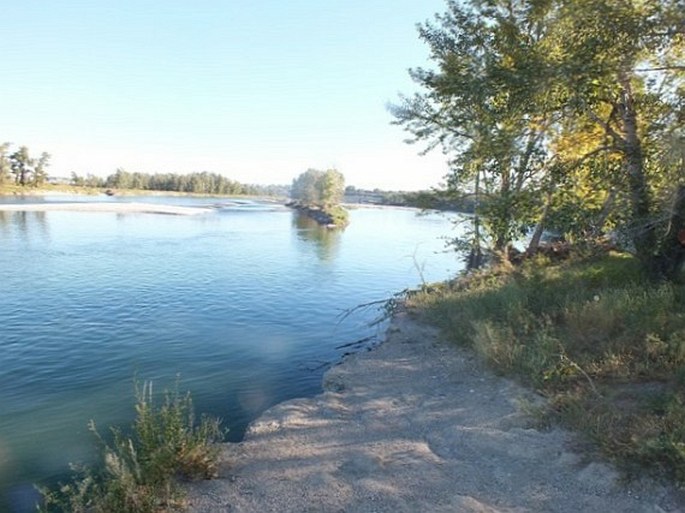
(415, 425)
(122, 208)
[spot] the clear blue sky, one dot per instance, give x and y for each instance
(259, 90)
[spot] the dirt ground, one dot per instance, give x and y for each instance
(416, 425)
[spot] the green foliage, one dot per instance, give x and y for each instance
(331, 187)
(201, 183)
(40, 174)
(482, 104)
(339, 216)
(665, 448)
(305, 187)
(89, 180)
(595, 335)
(139, 472)
(5, 167)
(25, 169)
(556, 114)
(318, 188)
(192, 183)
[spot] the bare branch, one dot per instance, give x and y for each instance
(660, 68)
(618, 139)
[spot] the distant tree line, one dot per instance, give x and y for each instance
(198, 183)
(21, 168)
(434, 199)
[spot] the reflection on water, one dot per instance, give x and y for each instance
(325, 240)
(26, 224)
(243, 303)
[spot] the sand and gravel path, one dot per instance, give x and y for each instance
(415, 425)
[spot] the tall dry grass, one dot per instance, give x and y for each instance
(601, 341)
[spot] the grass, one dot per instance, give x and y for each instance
(140, 472)
(604, 344)
(11, 189)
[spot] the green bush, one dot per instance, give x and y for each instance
(139, 473)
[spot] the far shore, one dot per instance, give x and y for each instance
(119, 208)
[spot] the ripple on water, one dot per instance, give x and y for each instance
(242, 304)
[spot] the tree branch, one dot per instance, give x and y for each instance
(618, 139)
(660, 68)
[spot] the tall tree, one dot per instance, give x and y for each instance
(314, 187)
(5, 164)
(517, 81)
(331, 187)
(621, 62)
(484, 105)
(40, 173)
(305, 187)
(22, 165)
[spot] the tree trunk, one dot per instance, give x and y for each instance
(671, 258)
(475, 258)
(644, 237)
(502, 238)
(607, 207)
(534, 243)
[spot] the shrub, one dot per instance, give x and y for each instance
(139, 473)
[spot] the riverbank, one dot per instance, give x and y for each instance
(417, 424)
(331, 217)
(73, 190)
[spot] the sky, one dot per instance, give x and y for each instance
(258, 90)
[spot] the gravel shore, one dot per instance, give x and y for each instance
(416, 425)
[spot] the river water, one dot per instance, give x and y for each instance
(242, 305)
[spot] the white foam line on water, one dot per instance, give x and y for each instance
(122, 208)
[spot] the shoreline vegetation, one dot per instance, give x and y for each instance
(353, 197)
(331, 217)
(140, 470)
(84, 190)
(589, 331)
(421, 424)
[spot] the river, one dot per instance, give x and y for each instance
(243, 306)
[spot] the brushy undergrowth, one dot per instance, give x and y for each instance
(601, 341)
(140, 472)
(339, 215)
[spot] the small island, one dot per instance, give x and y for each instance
(317, 194)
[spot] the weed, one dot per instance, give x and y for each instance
(139, 473)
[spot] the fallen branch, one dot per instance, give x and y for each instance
(356, 343)
(388, 307)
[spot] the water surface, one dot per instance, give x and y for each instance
(243, 303)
